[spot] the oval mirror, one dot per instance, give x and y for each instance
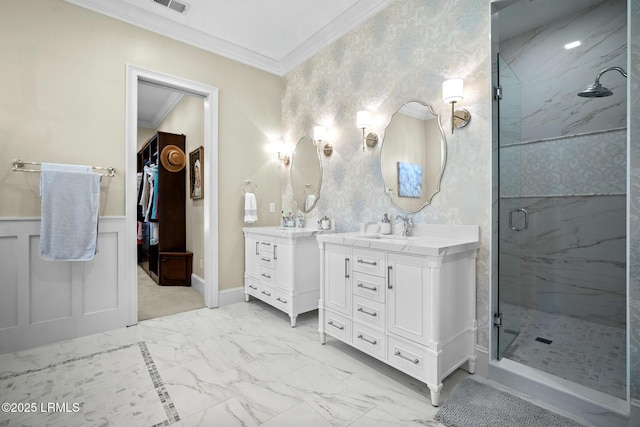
(306, 174)
(413, 156)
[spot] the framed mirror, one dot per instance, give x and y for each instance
(413, 156)
(306, 174)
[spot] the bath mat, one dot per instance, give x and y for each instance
(474, 404)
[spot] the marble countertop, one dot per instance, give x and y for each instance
(446, 240)
(287, 232)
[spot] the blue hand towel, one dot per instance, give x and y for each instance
(69, 210)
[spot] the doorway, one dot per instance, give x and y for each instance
(209, 95)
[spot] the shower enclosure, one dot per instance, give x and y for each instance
(561, 160)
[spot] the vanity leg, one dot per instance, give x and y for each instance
(293, 320)
(246, 297)
(471, 365)
(323, 338)
(435, 394)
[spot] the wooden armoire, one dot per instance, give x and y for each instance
(164, 258)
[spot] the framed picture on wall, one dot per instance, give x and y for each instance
(196, 172)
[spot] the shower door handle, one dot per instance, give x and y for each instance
(526, 220)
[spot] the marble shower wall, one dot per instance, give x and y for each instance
(551, 76)
(563, 159)
(570, 261)
(404, 53)
(634, 201)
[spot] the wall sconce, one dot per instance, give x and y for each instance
(319, 135)
(282, 155)
(452, 93)
(363, 121)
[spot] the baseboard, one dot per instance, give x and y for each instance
(231, 296)
(197, 283)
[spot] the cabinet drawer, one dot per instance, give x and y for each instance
(337, 326)
(370, 340)
(368, 312)
(252, 287)
(368, 286)
(408, 357)
(267, 293)
(267, 276)
(283, 301)
(266, 246)
(370, 262)
(266, 260)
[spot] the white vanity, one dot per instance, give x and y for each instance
(408, 301)
(282, 268)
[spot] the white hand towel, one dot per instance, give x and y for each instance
(309, 202)
(69, 210)
(250, 208)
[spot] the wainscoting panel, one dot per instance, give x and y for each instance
(47, 301)
(8, 282)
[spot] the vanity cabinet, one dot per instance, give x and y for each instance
(409, 303)
(282, 268)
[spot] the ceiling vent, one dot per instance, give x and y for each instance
(176, 5)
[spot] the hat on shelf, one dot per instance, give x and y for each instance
(173, 158)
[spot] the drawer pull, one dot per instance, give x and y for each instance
(346, 268)
(402, 356)
(266, 275)
(265, 243)
(275, 251)
(372, 342)
(369, 288)
(253, 287)
(267, 293)
(335, 326)
(389, 270)
(284, 301)
(373, 263)
(266, 259)
(372, 314)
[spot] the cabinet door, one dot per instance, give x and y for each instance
(337, 277)
(252, 256)
(284, 264)
(408, 290)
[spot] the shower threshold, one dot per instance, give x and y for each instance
(593, 406)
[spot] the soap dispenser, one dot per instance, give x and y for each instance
(385, 226)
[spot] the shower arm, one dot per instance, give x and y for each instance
(609, 69)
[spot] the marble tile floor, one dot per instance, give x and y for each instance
(240, 365)
(584, 352)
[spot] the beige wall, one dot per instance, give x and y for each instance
(62, 82)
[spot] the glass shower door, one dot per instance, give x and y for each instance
(513, 218)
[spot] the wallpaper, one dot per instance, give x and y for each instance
(402, 54)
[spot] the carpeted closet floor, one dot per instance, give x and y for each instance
(157, 301)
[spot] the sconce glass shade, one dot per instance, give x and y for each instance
(363, 119)
(452, 90)
(319, 133)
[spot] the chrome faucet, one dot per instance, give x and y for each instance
(406, 225)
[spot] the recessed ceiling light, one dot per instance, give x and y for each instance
(572, 45)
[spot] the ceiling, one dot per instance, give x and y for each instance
(273, 35)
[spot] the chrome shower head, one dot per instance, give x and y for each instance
(596, 90)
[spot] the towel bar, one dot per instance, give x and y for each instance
(18, 166)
